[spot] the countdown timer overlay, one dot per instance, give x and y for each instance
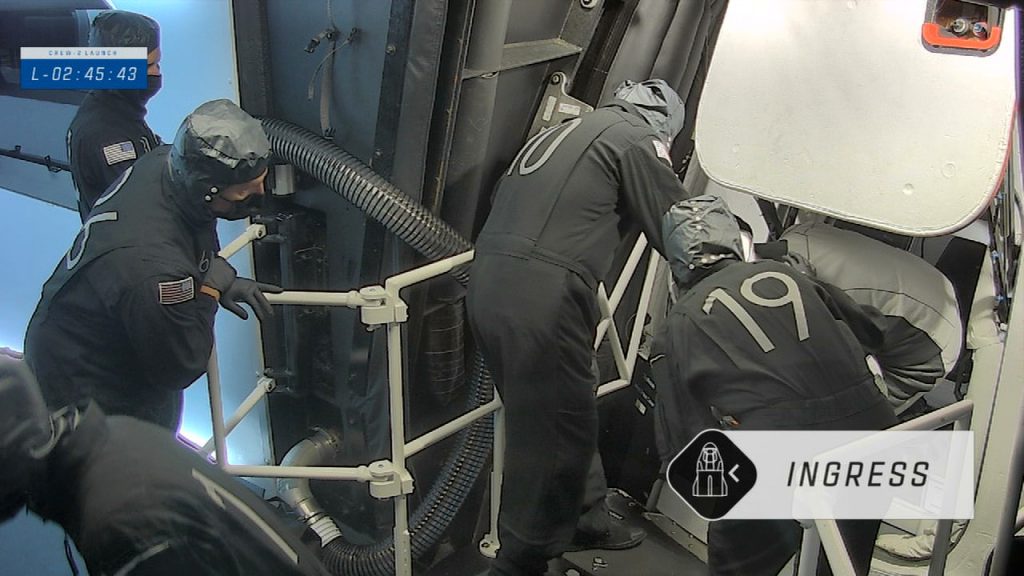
(80, 68)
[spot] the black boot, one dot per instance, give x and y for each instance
(619, 536)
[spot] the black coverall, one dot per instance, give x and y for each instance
(559, 213)
(122, 319)
(796, 363)
(107, 135)
(136, 502)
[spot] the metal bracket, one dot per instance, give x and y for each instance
(268, 383)
(557, 105)
(524, 54)
(382, 307)
(388, 482)
(489, 546)
(284, 180)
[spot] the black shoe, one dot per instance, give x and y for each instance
(619, 537)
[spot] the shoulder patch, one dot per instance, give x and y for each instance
(662, 151)
(119, 152)
(177, 291)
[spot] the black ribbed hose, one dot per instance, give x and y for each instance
(443, 346)
(367, 190)
(434, 239)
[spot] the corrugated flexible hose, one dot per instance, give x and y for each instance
(370, 192)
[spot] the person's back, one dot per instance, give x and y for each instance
(759, 346)
(136, 495)
(109, 132)
(132, 498)
(572, 189)
(761, 340)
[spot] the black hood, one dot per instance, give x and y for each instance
(127, 103)
(657, 103)
(123, 29)
(697, 234)
(217, 145)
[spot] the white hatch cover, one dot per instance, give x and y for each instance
(837, 106)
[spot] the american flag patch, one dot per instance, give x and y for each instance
(119, 152)
(177, 291)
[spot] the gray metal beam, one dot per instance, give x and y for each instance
(523, 54)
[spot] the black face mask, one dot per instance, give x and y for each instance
(142, 95)
(242, 209)
(153, 85)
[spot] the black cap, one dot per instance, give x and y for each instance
(122, 29)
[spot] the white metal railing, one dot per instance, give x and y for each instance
(383, 306)
(826, 531)
(263, 387)
(625, 359)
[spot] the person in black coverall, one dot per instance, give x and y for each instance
(109, 131)
(559, 212)
(134, 500)
(759, 346)
(127, 317)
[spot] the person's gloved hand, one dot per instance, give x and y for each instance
(232, 290)
(800, 263)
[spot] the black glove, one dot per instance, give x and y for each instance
(800, 263)
(234, 290)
